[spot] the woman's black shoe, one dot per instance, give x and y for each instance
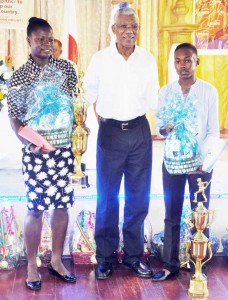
(163, 275)
(67, 278)
(34, 285)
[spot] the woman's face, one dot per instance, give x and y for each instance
(41, 43)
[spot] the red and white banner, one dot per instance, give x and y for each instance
(70, 48)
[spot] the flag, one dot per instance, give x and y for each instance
(70, 48)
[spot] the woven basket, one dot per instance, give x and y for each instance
(56, 137)
(182, 166)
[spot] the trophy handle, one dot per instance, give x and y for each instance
(210, 253)
(188, 255)
(211, 217)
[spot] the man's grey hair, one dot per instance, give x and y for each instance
(127, 11)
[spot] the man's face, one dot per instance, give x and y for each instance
(57, 50)
(126, 30)
(41, 43)
(185, 61)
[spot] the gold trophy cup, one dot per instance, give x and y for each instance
(199, 248)
(79, 136)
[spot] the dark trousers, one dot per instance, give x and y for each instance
(174, 190)
(121, 153)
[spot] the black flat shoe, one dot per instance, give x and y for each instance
(140, 268)
(34, 285)
(163, 275)
(103, 270)
(67, 278)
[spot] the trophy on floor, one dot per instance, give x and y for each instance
(79, 136)
(199, 247)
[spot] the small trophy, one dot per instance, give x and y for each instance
(199, 247)
(79, 136)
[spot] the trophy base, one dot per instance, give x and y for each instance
(198, 288)
(79, 182)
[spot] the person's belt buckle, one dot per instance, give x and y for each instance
(124, 126)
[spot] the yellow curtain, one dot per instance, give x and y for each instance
(214, 69)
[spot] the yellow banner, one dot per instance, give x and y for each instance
(14, 14)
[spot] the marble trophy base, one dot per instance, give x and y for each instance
(198, 287)
(79, 182)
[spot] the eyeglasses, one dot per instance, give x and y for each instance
(124, 27)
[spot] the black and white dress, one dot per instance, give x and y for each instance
(46, 176)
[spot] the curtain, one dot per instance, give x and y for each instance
(214, 68)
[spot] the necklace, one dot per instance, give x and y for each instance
(186, 91)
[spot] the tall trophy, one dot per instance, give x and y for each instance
(199, 249)
(79, 136)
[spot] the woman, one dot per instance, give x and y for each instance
(45, 172)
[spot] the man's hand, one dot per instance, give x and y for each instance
(165, 130)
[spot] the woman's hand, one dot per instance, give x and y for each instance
(39, 150)
(83, 125)
(86, 129)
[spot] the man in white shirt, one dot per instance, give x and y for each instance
(189, 108)
(122, 79)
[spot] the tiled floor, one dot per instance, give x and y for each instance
(122, 285)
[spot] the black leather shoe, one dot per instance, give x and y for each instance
(139, 267)
(103, 270)
(34, 285)
(163, 275)
(67, 278)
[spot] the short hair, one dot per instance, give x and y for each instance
(127, 11)
(58, 42)
(188, 46)
(37, 23)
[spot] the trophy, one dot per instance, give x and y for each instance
(199, 247)
(79, 136)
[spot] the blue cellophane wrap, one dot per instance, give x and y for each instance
(224, 241)
(182, 152)
(50, 110)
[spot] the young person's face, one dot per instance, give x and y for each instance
(185, 62)
(126, 30)
(41, 43)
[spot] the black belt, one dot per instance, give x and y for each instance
(124, 125)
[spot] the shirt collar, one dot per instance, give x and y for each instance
(32, 64)
(114, 50)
